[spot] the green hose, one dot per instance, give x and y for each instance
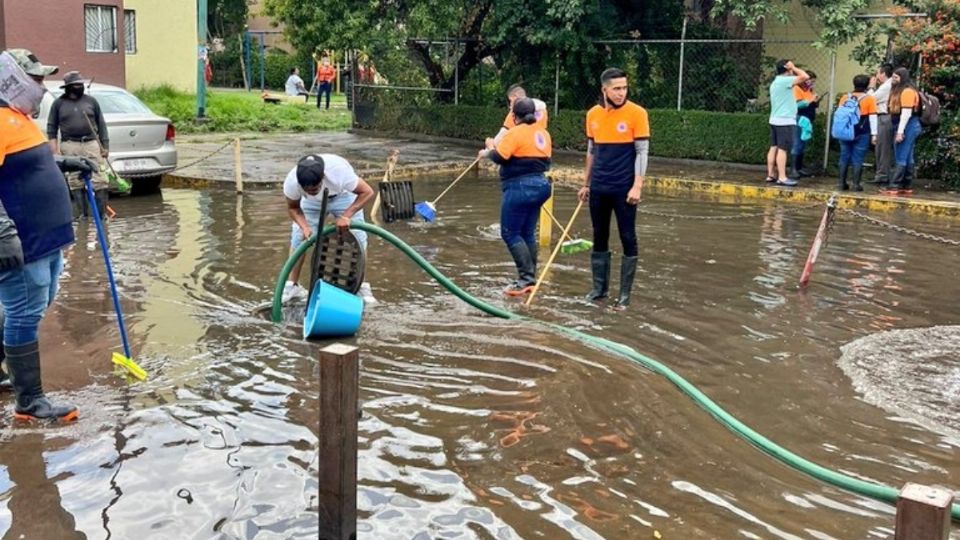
(868, 489)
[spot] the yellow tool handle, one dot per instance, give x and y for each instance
(556, 250)
(464, 173)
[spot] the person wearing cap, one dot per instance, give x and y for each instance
(35, 226)
(524, 155)
(347, 193)
(514, 93)
(76, 127)
(618, 143)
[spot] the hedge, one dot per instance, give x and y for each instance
(715, 136)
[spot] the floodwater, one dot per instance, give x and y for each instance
(476, 427)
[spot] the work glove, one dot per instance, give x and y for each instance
(76, 164)
(11, 252)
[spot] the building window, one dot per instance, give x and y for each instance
(130, 31)
(101, 28)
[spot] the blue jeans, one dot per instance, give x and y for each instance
(799, 145)
(323, 88)
(853, 152)
(335, 206)
(903, 151)
(26, 293)
(520, 210)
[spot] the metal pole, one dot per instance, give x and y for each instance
(683, 37)
(833, 81)
(456, 79)
(556, 88)
(201, 58)
(248, 54)
(263, 62)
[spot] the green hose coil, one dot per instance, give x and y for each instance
(867, 489)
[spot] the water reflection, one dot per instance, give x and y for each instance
(475, 427)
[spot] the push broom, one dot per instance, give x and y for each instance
(123, 360)
(428, 209)
(570, 245)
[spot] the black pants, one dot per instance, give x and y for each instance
(81, 206)
(602, 205)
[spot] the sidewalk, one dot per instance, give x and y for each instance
(267, 158)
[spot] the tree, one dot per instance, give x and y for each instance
(935, 39)
(227, 18)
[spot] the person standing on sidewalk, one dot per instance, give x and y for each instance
(885, 132)
(324, 79)
(783, 120)
(904, 109)
(524, 155)
(35, 227)
(618, 143)
(76, 127)
(853, 152)
(807, 103)
(303, 188)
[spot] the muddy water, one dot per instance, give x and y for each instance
(481, 428)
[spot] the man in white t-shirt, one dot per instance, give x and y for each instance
(303, 189)
(295, 86)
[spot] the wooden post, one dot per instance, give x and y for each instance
(923, 513)
(339, 390)
(545, 233)
(237, 165)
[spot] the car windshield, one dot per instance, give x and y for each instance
(119, 102)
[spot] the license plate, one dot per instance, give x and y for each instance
(133, 165)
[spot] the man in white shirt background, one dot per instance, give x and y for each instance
(885, 131)
(295, 86)
(303, 188)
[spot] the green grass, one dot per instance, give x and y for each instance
(241, 111)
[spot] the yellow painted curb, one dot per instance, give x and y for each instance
(734, 191)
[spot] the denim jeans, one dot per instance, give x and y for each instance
(26, 293)
(323, 89)
(335, 206)
(903, 151)
(799, 145)
(520, 209)
(853, 152)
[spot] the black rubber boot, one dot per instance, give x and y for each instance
(23, 363)
(857, 176)
(526, 270)
(628, 270)
(532, 248)
(77, 202)
(5, 384)
(101, 195)
(842, 184)
(600, 266)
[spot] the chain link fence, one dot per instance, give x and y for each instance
(717, 75)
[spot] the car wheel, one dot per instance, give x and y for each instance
(146, 185)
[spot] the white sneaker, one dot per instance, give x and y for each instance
(367, 294)
(291, 291)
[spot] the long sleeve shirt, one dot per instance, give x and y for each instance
(72, 119)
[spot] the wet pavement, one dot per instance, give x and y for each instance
(267, 158)
(475, 427)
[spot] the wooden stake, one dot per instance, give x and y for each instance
(923, 513)
(237, 165)
(339, 391)
(543, 274)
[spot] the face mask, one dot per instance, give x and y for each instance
(74, 91)
(612, 104)
(17, 89)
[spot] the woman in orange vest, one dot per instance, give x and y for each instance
(904, 108)
(524, 155)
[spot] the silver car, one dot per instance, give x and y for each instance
(142, 147)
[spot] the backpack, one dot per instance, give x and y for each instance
(929, 109)
(845, 119)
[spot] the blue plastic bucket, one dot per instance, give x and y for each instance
(332, 312)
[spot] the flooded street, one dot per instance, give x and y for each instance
(476, 427)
